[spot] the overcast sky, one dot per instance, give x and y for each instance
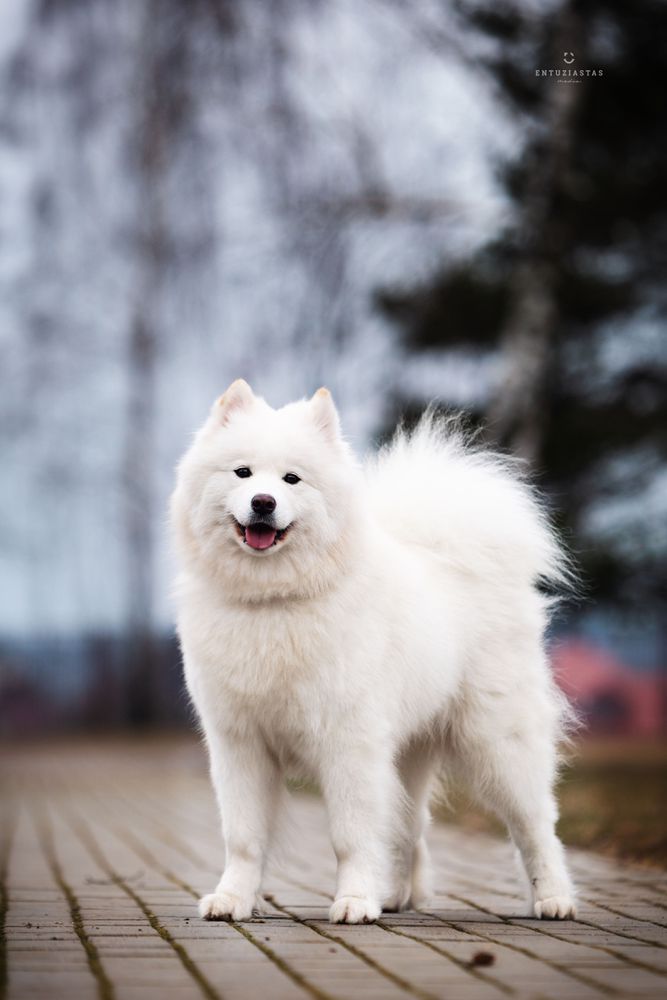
(272, 180)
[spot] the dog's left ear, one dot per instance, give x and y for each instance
(239, 396)
(325, 414)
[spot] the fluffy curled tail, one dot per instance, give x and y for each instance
(473, 508)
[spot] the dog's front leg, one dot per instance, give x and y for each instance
(361, 790)
(248, 786)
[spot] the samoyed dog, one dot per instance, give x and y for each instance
(369, 627)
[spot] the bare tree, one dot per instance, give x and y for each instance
(162, 103)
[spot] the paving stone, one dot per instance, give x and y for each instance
(106, 847)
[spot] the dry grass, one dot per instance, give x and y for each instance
(613, 799)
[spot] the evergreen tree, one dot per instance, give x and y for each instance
(572, 295)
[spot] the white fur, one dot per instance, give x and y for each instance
(393, 634)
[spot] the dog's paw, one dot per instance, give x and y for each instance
(398, 900)
(226, 906)
(556, 908)
(413, 897)
(395, 905)
(354, 910)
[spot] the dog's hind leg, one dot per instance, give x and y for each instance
(512, 773)
(411, 877)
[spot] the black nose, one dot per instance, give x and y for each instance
(262, 503)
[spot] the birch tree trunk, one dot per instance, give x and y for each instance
(161, 102)
(515, 415)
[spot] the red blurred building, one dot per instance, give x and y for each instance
(612, 697)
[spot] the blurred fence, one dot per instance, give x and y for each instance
(90, 681)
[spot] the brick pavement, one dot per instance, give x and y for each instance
(106, 847)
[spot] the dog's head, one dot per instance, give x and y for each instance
(263, 499)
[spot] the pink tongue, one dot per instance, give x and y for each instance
(260, 536)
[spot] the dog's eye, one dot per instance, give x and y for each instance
(291, 478)
(243, 472)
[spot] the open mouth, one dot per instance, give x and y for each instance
(260, 535)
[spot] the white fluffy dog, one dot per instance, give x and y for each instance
(368, 628)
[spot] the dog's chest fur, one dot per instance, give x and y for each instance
(280, 667)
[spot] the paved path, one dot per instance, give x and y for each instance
(105, 849)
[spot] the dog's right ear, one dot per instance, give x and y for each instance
(325, 413)
(239, 396)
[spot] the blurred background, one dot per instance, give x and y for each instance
(452, 201)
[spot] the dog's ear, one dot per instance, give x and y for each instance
(325, 414)
(239, 396)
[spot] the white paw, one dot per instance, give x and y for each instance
(226, 906)
(420, 895)
(396, 904)
(556, 908)
(406, 899)
(354, 910)
(397, 900)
